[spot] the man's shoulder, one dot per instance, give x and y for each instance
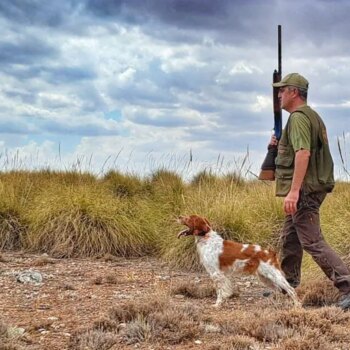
(299, 118)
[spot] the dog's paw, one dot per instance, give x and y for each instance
(217, 305)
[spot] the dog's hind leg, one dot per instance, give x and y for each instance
(273, 277)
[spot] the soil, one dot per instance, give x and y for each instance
(75, 293)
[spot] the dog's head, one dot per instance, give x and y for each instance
(197, 226)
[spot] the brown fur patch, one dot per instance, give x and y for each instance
(233, 251)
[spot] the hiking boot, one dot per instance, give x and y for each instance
(344, 302)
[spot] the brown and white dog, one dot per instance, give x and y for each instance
(221, 257)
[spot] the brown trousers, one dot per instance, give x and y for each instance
(302, 232)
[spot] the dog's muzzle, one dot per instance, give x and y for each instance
(186, 232)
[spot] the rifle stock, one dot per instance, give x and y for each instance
(268, 167)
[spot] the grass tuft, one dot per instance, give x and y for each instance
(156, 320)
(74, 214)
(194, 290)
(85, 221)
(123, 185)
(93, 340)
(318, 293)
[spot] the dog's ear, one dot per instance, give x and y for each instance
(207, 222)
(202, 227)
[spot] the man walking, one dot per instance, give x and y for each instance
(304, 175)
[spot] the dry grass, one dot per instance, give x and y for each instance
(152, 320)
(3, 259)
(123, 185)
(93, 340)
(75, 214)
(85, 221)
(159, 321)
(111, 279)
(44, 260)
(146, 312)
(7, 341)
(320, 292)
(194, 290)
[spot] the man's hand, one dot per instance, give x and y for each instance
(301, 163)
(273, 141)
(290, 203)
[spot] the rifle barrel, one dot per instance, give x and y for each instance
(280, 50)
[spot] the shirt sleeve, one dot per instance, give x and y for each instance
(300, 131)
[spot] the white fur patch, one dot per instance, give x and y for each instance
(209, 249)
(238, 265)
(244, 247)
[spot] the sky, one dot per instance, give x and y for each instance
(137, 85)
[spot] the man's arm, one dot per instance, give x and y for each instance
(300, 166)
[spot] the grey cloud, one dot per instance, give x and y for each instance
(163, 121)
(222, 138)
(21, 96)
(141, 93)
(320, 23)
(11, 125)
(169, 119)
(237, 22)
(64, 74)
(53, 75)
(33, 12)
(222, 33)
(25, 51)
(91, 99)
(83, 129)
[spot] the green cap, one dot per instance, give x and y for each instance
(293, 79)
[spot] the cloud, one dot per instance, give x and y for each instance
(159, 76)
(25, 50)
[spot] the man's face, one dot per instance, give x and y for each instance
(285, 96)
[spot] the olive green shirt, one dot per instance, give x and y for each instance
(300, 131)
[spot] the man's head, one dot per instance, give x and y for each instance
(293, 79)
(292, 91)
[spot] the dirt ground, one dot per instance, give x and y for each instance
(75, 293)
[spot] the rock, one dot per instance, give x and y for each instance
(29, 277)
(212, 328)
(179, 296)
(53, 318)
(15, 332)
(198, 342)
(164, 278)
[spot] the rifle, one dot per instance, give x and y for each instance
(268, 166)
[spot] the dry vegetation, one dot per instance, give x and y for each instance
(93, 304)
(69, 216)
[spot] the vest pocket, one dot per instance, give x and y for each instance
(325, 169)
(284, 169)
(285, 156)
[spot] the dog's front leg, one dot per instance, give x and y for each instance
(223, 287)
